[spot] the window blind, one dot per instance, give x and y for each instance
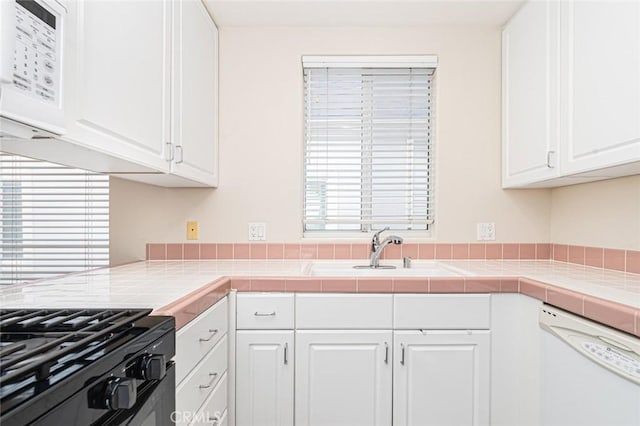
(53, 219)
(368, 148)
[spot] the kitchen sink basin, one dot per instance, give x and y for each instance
(359, 269)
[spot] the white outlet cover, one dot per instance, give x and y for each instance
(257, 231)
(486, 231)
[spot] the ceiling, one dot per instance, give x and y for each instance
(360, 13)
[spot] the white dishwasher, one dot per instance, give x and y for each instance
(590, 373)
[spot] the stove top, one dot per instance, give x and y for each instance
(53, 353)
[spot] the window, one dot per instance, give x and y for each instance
(53, 219)
(368, 143)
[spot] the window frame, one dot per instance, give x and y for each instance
(351, 61)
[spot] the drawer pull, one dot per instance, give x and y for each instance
(213, 333)
(215, 419)
(262, 314)
(213, 379)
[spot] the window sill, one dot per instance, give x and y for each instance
(333, 236)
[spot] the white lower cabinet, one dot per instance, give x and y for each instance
(264, 378)
(214, 409)
(202, 360)
(416, 360)
(441, 378)
(343, 378)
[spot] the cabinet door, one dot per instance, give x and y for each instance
(343, 378)
(264, 378)
(530, 95)
(601, 90)
(195, 93)
(441, 378)
(118, 79)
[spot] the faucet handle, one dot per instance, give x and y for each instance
(375, 241)
(376, 235)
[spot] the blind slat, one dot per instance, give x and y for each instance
(368, 149)
(53, 219)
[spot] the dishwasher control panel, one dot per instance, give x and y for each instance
(614, 358)
(612, 349)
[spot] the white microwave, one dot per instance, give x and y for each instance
(31, 68)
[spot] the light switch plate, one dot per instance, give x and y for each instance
(486, 231)
(257, 231)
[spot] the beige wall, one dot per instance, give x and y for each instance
(261, 142)
(600, 214)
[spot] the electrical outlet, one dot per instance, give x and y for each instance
(486, 231)
(192, 230)
(257, 231)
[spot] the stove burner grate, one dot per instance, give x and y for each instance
(34, 340)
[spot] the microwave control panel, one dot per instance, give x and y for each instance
(36, 64)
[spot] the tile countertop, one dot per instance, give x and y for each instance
(171, 286)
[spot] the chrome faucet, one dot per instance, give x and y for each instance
(378, 246)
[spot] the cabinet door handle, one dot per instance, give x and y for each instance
(169, 150)
(213, 379)
(213, 333)
(286, 353)
(386, 353)
(401, 354)
(179, 147)
(263, 314)
(549, 162)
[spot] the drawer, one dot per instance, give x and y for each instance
(217, 419)
(265, 311)
(198, 385)
(196, 339)
(344, 311)
(442, 311)
(214, 408)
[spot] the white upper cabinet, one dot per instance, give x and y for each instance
(118, 79)
(141, 93)
(571, 93)
(530, 94)
(601, 84)
(195, 88)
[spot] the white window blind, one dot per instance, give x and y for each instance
(368, 147)
(53, 219)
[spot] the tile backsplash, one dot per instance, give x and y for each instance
(620, 260)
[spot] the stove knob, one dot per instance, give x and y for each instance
(148, 367)
(153, 367)
(120, 394)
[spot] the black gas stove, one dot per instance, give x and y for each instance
(86, 366)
